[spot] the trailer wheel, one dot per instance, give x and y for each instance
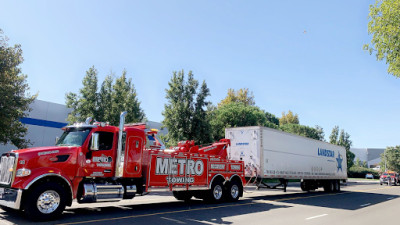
(335, 185)
(233, 191)
(306, 186)
(216, 194)
(45, 202)
(182, 195)
(328, 186)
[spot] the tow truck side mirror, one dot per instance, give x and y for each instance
(94, 145)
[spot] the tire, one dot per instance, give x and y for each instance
(45, 202)
(306, 186)
(303, 186)
(234, 190)
(329, 186)
(216, 194)
(182, 195)
(336, 186)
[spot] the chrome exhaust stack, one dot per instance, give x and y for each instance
(119, 162)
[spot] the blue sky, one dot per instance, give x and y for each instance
(303, 56)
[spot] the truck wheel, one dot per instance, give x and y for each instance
(182, 195)
(216, 194)
(45, 202)
(328, 187)
(233, 191)
(336, 186)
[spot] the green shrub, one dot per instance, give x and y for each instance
(360, 172)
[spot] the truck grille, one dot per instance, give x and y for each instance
(7, 169)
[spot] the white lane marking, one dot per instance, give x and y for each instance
(201, 221)
(390, 198)
(314, 217)
(365, 205)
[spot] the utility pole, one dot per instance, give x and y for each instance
(384, 153)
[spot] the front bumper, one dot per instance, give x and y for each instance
(10, 197)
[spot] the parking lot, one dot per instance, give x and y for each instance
(359, 203)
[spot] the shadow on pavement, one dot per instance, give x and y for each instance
(340, 200)
(198, 212)
(192, 212)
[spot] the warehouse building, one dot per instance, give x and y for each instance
(370, 155)
(43, 123)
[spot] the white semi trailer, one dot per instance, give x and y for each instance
(272, 156)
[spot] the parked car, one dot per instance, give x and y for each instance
(389, 178)
(369, 176)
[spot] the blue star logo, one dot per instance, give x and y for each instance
(339, 160)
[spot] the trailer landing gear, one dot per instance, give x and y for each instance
(281, 185)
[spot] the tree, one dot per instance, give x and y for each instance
(108, 103)
(391, 158)
(320, 133)
(242, 95)
(201, 126)
(15, 99)
(184, 116)
(364, 164)
(236, 114)
(85, 104)
(124, 98)
(384, 25)
(358, 162)
(271, 118)
(289, 118)
(343, 140)
(316, 133)
(333, 138)
(106, 99)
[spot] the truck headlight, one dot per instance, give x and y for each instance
(23, 172)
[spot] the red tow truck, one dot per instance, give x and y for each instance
(95, 162)
(390, 178)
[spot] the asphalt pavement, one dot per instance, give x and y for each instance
(360, 202)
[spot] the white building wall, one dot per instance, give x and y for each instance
(369, 155)
(360, 153)
(43, 123)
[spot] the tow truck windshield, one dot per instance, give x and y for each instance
(73, 137)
